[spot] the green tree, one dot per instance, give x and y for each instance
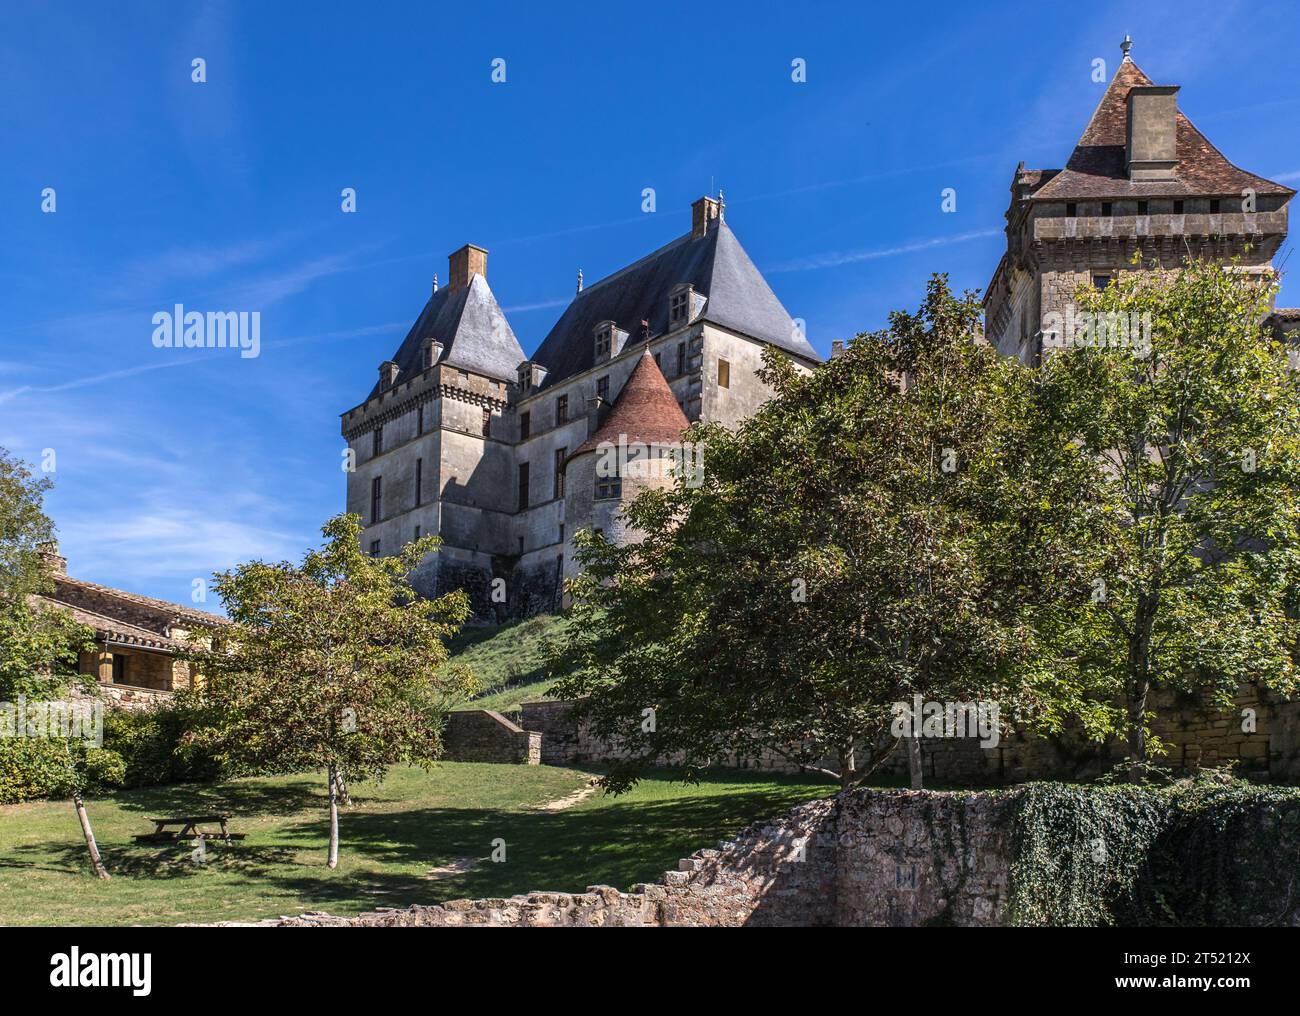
(38, 644)
(1189, 413)
(331, 665)
(884, 526)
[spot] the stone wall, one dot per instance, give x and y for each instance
(123, 696)
(1197, 732)
(481, 735)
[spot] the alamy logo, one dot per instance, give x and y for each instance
(40, 720)
(1110, 329)
(946, 719)
(75, 969)
(217, 329)
(658, 460)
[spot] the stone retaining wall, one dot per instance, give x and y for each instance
(481, 735)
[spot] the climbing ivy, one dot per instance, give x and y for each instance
(1196, 853)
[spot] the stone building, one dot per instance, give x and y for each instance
(464, 437)
(137, 638)
(1143, 179)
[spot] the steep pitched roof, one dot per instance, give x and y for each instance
(645, 411)
(738, 298)
(473, 330)
(1097, 166)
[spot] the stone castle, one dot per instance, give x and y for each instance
(464, 437)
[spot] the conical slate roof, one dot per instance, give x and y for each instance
(645, 411)
(715, 264)
(1097, 166)
(473, 330)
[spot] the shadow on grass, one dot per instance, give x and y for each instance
(173, 862)
(618, 843)
(235, 798)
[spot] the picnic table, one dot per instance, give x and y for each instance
(188, 829)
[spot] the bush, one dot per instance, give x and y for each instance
(32, 768)
(154, 746)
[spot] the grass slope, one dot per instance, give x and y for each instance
(509, 660)
(392, 836)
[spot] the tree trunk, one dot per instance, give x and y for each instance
(344, 797)
(914, 761)
(1137, 738)
(95, 860)
(848, 768)
(333, 861)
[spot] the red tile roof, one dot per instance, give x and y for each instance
(645, 411)
(1097, 167)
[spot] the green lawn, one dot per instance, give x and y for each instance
(394, 834)
(509, 660)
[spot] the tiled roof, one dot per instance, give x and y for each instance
(715, 264)
(110, 628)
(1097, 167)
(473, 330)
(70, 591)
(644, 412)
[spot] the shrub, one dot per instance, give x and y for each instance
(154, 745)
(32, 768)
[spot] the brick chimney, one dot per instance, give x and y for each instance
(1152, 148)
(465, 264)
(703, 211)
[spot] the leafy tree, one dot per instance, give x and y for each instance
(1189, 414)
(884, 526)
(38, 645)
(330, 665)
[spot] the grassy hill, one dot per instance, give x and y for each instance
(509, 660)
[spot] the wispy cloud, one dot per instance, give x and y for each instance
(834, 259)
(523, 308)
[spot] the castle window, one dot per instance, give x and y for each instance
(419, 420)
(1214, 206)
(1100, 281)
(561, 410)
(377, 441)
(724, 374)
(559, 471)
(657, 362)
(376, 498)
(487, 423)
(119, 668)
(523, 485)
(1142, 208)
(525, 424)
(602, 388)
(609, 488)
(1071, 210)
(1106, 208)
(603, 340)
(417, 533)
(419, 481)
(1178, 208)
(374, 548)
(679, 307)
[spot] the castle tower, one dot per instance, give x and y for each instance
(1141, 178)
(432, 444)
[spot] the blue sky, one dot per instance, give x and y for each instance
(225, 195)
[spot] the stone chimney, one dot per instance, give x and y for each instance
(703, 212)
(1152, 149)
(55, 562)
(837, 348)
(465, 264)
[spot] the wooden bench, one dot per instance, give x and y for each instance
(189, 829)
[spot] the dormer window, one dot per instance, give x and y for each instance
(387, 374)
(679, 306)
(432, 351)
(604, 335)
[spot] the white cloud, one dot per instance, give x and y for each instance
(833, 259)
